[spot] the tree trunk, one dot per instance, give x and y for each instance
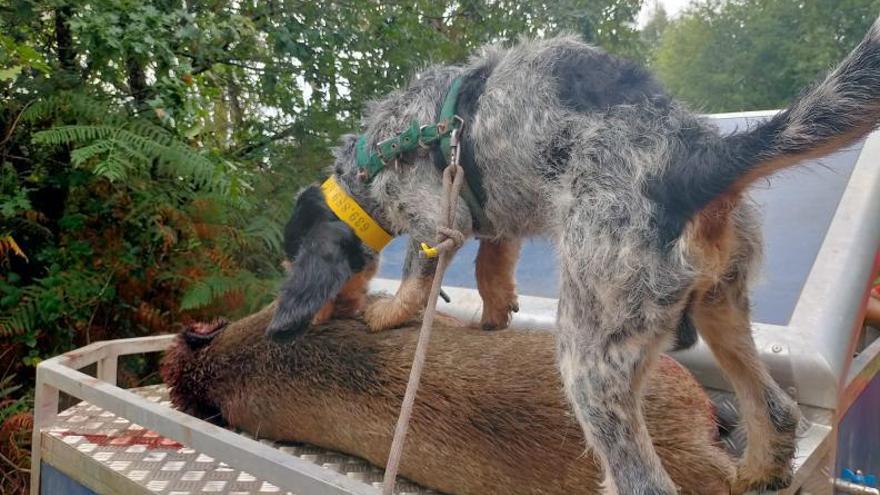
(137, 82)
(64, 39)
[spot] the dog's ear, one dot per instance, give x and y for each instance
(327, 256)
(309, 210)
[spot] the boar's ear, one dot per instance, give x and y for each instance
(200, 334)
(329, 254)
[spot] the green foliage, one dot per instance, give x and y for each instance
(12, 401)
(208, 289)
(130, 149)
(653, 30)
(757, 54)
(17, 57)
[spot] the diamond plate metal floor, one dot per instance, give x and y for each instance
(134, 460)
(159, 465)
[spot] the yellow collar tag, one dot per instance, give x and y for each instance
(352, 214)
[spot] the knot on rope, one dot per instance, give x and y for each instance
(451, 234)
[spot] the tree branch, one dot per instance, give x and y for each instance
(251, 147)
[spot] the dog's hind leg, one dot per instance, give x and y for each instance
(612, 326)
(495, 271)
(602, 375)
(721, 315)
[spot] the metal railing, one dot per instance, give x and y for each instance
(61, 374)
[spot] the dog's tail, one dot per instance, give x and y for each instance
(842, 108)
(837, 111)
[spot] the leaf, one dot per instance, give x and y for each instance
(10, 73)
(7, 243)
(198, 295)
(193, 131)
(7, 391)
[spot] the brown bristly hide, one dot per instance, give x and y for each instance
(490, 416)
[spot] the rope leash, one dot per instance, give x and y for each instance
(452, 240)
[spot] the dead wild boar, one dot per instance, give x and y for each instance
(490, 416)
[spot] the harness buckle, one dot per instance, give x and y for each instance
(454, 146)
(422, 143)
(385, 143)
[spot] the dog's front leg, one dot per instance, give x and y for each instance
(412, 294)
(495, 270)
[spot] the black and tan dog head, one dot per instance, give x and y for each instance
(330, 268)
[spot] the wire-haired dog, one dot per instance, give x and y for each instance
(645, 202)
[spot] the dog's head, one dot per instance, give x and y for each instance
(330, 268)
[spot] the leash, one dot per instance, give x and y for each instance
(453, 176)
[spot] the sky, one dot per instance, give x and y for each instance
(673, 7)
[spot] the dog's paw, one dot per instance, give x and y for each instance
(498, 316)
(767, 463)
(775, 473)
(386, 313)
(768, 480)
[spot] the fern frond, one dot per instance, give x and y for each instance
(7, 386)
(21, 320)
(112, 168)
(130, 152)
(211, 288)
(140, 144)
(196, 296)
(72, 105)
(267, 232)
(73, 134)
(8, 245)
(86, 153)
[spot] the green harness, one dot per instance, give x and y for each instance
(424, 136)
(412, 138)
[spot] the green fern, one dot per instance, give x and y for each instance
(210, 289)
(267, 232)
(67, 104)
(7, 386)
(119, 148)
(117, 151)
(112, 168)
(207, 290)
(23, 318)
(82, 155)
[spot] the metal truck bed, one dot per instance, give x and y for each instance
(134, 442)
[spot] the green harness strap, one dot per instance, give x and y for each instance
(414, 136)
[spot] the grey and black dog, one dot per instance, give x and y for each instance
(645, 201)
